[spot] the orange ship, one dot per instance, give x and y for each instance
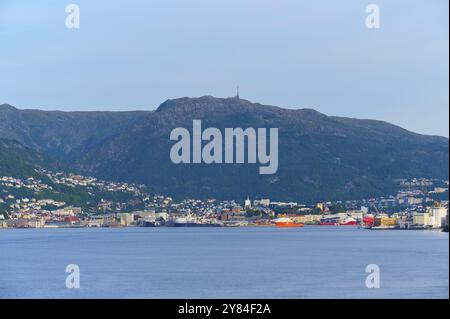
(287, 223)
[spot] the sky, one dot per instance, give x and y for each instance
(133, 55)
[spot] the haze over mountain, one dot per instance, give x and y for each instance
(320, 157)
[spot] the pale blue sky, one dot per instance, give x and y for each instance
(131, 55)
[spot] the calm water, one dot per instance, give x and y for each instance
(313, 262)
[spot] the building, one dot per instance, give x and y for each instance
(262, 202)
(435, 217)
(321, 206)
(248, 203)
(415, 201)
(421, 219)
(68, 211)
(126, 219)
(312, 219)
(162, 215)
(96, 221)
(72, 220)
(438, 217)
(146, 214)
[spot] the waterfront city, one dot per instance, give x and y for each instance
(64, 200)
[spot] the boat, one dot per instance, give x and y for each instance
(190, 221)
(330, 221)
(348, 221)
(383, 227)
(287, 223)
(148, 223)
(337, 221)
(368, 220)
(113, 225)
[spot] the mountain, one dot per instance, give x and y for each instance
(63, 135)
(19, 161)
(320, 157)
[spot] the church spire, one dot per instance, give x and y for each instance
(248, 203)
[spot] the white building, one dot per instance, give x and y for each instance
(438, 216)
(261, 202)
(248, 203)
(126, 219)
(422, 219)
(435, 217)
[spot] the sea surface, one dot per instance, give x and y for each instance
(248, 262)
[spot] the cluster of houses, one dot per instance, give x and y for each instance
(414, 206)
(74, 180)
(30, 183)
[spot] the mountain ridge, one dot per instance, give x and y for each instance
(162, 107)
(321, 157)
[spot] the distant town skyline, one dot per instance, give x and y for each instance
(135, 55)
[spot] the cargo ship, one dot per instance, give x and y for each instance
(151, 223)
(381, 223)
(368, 220)
(382, 227)
(336, 221)
(192, 222)
(287, 223)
